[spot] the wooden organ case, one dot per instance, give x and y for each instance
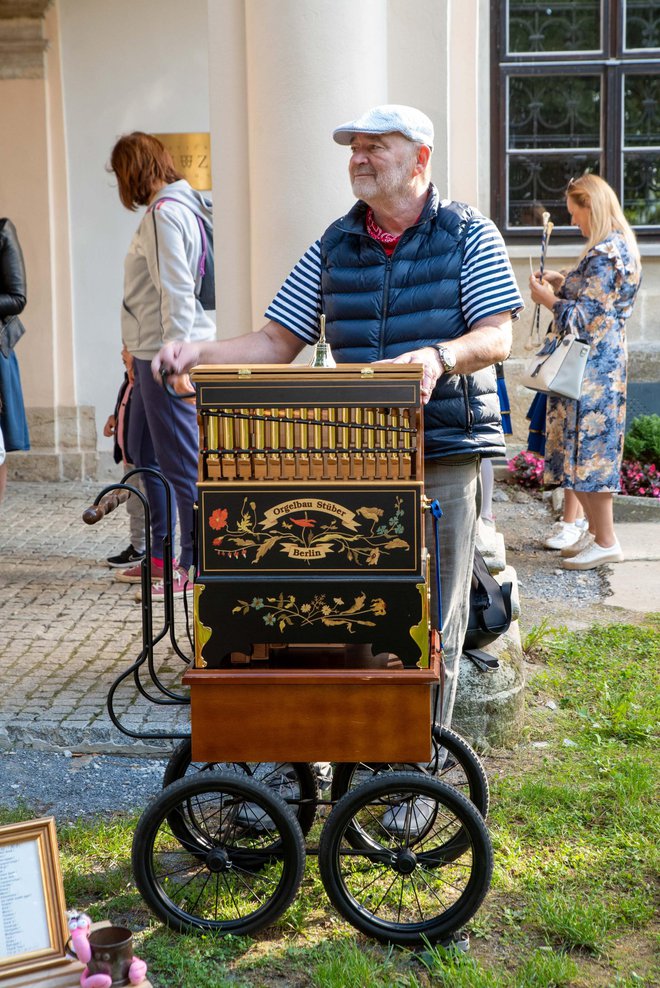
(311, 603)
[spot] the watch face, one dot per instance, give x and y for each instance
(447, 357)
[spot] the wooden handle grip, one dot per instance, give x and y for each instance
(107, 504)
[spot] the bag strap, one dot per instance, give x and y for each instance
(552, 347)
(482, 660)
(436, 511)
(506, 589)
(200, 222)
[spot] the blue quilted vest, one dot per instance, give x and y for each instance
(378, 307)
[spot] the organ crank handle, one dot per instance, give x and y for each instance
(107, 504)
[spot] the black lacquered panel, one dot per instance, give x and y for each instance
(308, 393)
(231, 616)
(315, 529)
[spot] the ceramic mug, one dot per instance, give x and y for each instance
(112, 953)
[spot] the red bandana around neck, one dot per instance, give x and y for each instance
(387, 240)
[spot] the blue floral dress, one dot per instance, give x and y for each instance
(584, 439)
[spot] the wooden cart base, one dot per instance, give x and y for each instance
(307, 715)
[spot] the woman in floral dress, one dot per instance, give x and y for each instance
(584, 438)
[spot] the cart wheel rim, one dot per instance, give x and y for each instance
(403, 887)
(218, 870)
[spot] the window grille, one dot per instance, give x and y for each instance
(575, 88)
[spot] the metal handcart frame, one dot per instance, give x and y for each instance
(402, 847)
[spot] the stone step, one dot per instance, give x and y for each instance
(493, 550)
(509, 575)
(489, 708)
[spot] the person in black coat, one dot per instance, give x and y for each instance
(14, 433)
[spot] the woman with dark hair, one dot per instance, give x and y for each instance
(160, 305)
(14, 433)
(584, 438)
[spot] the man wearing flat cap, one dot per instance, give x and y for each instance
(404, 276)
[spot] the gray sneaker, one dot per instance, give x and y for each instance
(323, 775)
(410, 818)
(253, 818)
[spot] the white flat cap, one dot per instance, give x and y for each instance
(388, 119)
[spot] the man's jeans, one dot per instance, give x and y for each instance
(453, 482)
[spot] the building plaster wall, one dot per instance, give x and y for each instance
(125, 66)
(295, 72)
(463, 101)
(33, 192)
(24, 185)
(231, 175)
(419, 68)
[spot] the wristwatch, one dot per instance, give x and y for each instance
(447, 358)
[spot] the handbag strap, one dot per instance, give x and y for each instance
(552, 346)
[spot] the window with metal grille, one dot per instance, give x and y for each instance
(575, 88)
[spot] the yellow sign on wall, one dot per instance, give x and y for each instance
(192, 157)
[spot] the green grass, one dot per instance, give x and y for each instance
(575, 828)
(543, 968)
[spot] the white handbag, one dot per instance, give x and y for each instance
(558, 367)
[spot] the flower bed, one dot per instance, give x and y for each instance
(637, 479)
(640, 479)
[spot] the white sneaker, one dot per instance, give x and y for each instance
(564, 534)
(593, 556)
(585, 540)
(582, 524)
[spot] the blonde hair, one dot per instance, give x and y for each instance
(606, 215)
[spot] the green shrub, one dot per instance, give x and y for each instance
(642, 441)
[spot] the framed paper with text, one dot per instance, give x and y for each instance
(33, 929)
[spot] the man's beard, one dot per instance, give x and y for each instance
(364, 186)
(390, 185)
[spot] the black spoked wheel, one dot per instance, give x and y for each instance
(461, 769)
(295, 782)
(405, 889)
(233, 863)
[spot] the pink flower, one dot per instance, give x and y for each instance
(639, 479)
(528, 469)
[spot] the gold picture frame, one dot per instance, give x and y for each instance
(33, 927)
(191, 154)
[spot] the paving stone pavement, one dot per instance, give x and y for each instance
(68, 629)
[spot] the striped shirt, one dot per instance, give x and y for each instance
(488, 284)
